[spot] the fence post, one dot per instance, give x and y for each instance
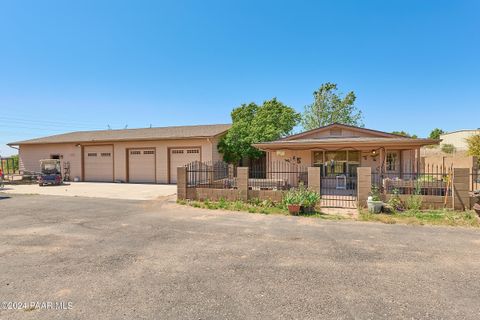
(242, 183)
(364, 185)
(231, 171)
(461, 181)
(314, 179)
(181, 183)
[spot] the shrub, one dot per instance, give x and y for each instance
(448, 148)
(395, 202)
(414, 202)
(375, 193)
(301, 196)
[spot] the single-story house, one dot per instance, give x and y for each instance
(339, 149)
(149, 155)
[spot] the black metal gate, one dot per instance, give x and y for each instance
(338, 191)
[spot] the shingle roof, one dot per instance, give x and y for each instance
(177, 132)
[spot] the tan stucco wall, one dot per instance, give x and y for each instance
(458, 138)
(305, 156)
(31, 154)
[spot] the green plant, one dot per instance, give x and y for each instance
(222, 203)
(291, 197)
(448, 148)
(375, 193)
(301, 196)
(414, 202)
(395, 202)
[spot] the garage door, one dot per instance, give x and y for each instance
(98, 163)
(141, 165)
(180, 157)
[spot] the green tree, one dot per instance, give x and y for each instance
(330, 107)
(435, 134)
(252, 123)
(405, 134)
(474, 145)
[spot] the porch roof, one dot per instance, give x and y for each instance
(346, 143)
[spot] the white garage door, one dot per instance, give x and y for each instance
(141, 165)
(180, 157)
(98, 163)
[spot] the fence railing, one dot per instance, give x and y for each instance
(431, 181)
(475, 181)
(277, 175)
(217, 175)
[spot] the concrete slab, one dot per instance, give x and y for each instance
(98, 190)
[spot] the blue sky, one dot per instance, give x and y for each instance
(83, 65)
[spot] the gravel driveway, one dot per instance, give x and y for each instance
(128, 191)
(126, 259)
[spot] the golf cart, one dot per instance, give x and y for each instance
(51, 172)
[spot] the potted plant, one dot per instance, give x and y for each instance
(374, 203)
(310, 200)
(293, 202)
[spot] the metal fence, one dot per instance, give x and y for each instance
(431, 181)
(277, 175)
(217, 175)
(475, 180)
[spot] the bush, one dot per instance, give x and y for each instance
(301, 196)
(375, 193)
(414, 202)
(448, 148)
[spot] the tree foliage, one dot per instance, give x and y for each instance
(329, 107)
(448, 148)
(474, 145)
(435, 133)
(405, 134)
(252, 123)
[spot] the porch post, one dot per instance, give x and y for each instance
(364, 185)
(461, 187)
(242, 183)
(314, 179)
(181, 183)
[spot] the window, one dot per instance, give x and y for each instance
(106, 154)
(177, 151)
(392, 161)
(92, 154)
(193, 151)
(135, 152)
(148, 152)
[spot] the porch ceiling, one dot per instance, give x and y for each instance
(356, 143)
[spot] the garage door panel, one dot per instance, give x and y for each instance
(141, 166)
(180, 157)
(98, 163)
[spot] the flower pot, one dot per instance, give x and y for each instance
(293, 209)
(374, 206)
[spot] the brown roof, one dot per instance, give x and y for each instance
(177, 132)
(346, 142)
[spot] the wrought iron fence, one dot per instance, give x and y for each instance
(277, 175)
(475, 180)
(217, 175)
(431, 180)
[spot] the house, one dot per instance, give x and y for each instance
(149, 155)
(340, 149)
(459, 158)
(458, 138)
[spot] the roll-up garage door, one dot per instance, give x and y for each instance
(180, 157)
(141, 165)
(98, 163)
